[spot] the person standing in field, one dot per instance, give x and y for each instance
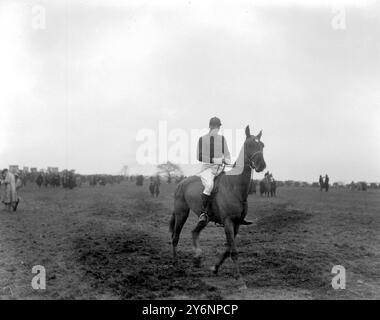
(327, 179)
(321, 184)
(9, 197)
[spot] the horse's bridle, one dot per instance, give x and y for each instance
(253, 167)
(250, 159)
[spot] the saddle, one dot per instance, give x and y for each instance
(216, 184)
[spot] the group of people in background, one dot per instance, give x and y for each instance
(324, 183)
(9, 185)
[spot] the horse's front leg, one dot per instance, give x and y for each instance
(195, 234)
(230, 249)
(231, 230)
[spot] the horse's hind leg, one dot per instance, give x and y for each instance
(180, 217)
(195, 234)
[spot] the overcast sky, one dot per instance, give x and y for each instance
(76, 93)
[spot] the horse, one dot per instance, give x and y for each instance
(252, 187)
(228, 206)
(265, 187)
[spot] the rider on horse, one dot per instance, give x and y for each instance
(214, 154)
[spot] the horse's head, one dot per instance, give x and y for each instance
(253, 151)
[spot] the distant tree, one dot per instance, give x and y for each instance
(362, 186)
(315, 184)
(280, 183)
(373, 185)
(169, 170)
(289, 183)
(178, 179)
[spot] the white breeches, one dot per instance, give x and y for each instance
(207, 175)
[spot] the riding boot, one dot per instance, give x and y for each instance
(245, 210)
(205, 206)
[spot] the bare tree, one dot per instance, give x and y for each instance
(169, 170)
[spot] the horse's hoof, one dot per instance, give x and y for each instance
(243, 287)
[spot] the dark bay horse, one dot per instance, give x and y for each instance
(265, 187)
(229, 205)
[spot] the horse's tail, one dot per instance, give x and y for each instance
(178, 195)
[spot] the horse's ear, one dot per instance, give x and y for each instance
(247, 132)
(259, 135)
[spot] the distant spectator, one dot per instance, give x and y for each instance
(9, 191)
(321, 185)
(327, 179)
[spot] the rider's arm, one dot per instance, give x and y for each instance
(198, 151)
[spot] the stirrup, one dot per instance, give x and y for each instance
(203, 217)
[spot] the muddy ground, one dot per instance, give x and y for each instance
(113, 242)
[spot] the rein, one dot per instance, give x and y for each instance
(250, 160)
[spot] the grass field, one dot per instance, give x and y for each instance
(113, 242)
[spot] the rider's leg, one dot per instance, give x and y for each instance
(205, 206)
(207, 178)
